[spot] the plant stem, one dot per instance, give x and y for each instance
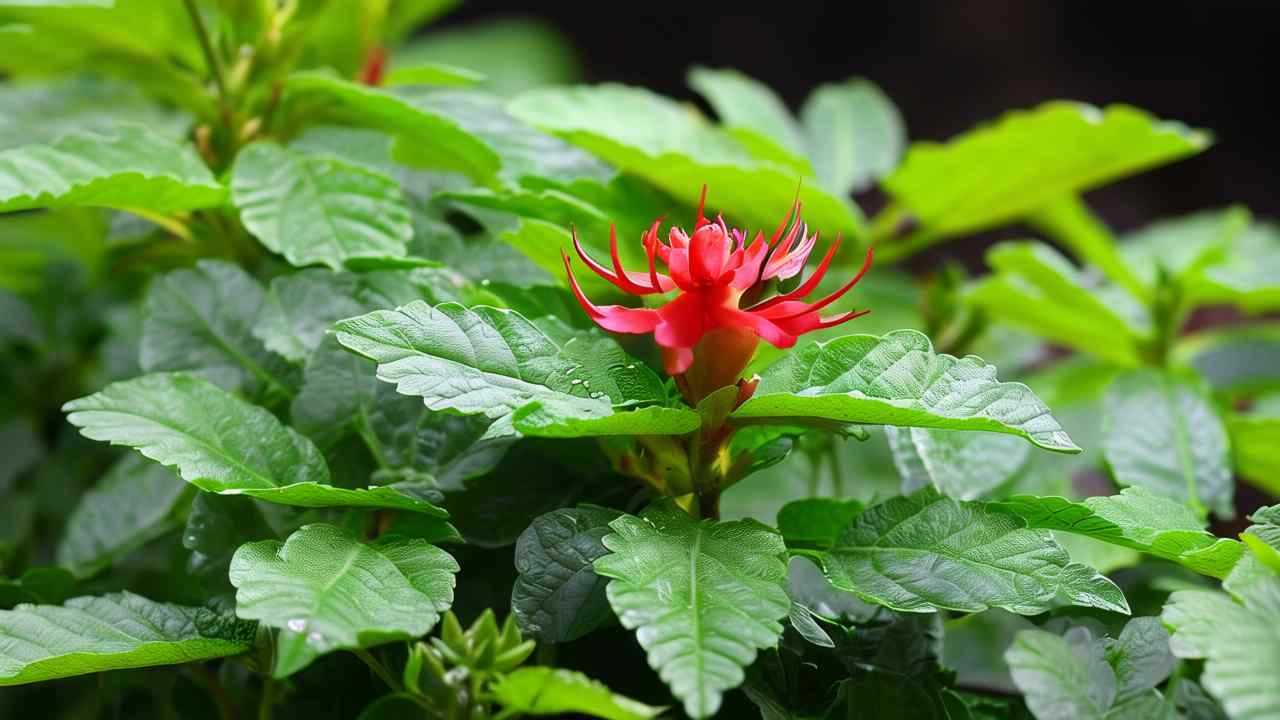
(267, 703)
(837, 473)
(378, 669)
(210, 57)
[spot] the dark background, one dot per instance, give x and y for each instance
(950, 64)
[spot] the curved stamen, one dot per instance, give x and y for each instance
(818, 305)
(702, 203)
(809, 285)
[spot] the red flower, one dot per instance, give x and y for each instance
(713, 270)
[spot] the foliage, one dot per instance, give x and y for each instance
(295, 381)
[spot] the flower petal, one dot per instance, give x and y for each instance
(616, 318)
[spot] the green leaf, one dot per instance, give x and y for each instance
(1063, 678)
(816, 522)
(965, 466)
(662, 142)
(435, 74)
(299, 309)
(702, 596)
(977, 558)
(111, 632)
(742, 102)
(38, 585)
(222, 444)
(32, 244)
(1136, 519)
(320, 98)
(1140, 657)
(897, 379)
(134, 503)
(201, 319)
(1241, 359)
(552, 691)
(1069, 221)
(1184, 246)
(317, 209)
(514, 54)
(558, 597)
(854, 134)
(1248, 277)
(1162, 434)
(1253, 443)
(1038, 290)
(1266, 525)
(45, 111)
(129, 168)
(1238, 637)
(490, 361)
(525, 153)
(324, 590)
(1004, 170)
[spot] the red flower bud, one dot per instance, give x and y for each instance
(712, 270)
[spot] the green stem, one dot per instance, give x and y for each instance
(837, 473)
(364, 429)
(210, 57)
(378, 669)
(267, 703)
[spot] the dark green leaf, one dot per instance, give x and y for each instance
(897, 379)
(558, 597)
(134, 503)
(324, 590)
(704, 597)
(202, 320)
(816, 523)
(111, 632)
(299, 309)
(976, 557)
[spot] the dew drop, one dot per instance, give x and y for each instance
(297, 624)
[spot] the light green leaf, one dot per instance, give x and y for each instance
(1063, 678)
(134, 503)
(558, 596)
(317, 209)
(657, 139)
(524, 152)
(1248, 277)
(1140, 657)
(965, 466)
(514, 54)
(320, 97)
(1241, 359)
(435, 74)
(1162, 434)
(1069, 221)
(854, 134)
(742, 102)
(552, 691)
(299, 309)
(1183, 246)
(1237, 635)
(324, 590)
(44, 111)
(494, 362)
(1038, 290)
(129, 168)
(925, 552)
(1006, 169)
(222, 444)
(1266, 525)
(897, 379)
(111, 632)
(1253, 444)
(201, 319)
(704, 597)
(1136, 519)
